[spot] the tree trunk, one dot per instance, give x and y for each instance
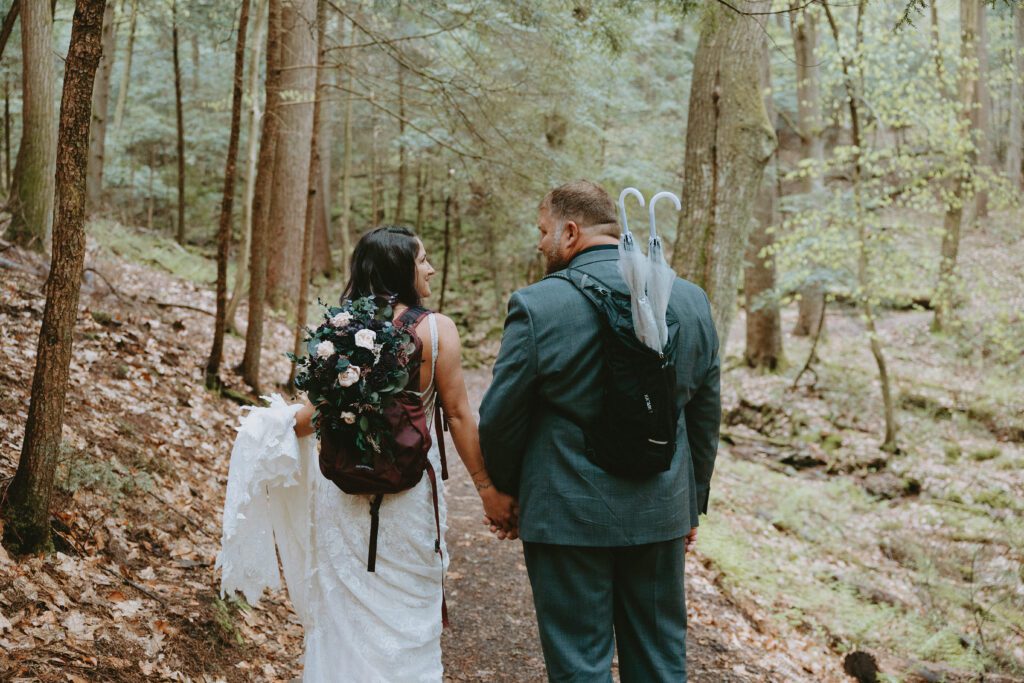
(863, 269)
(7, 133)
(982, 110)
(323, 263)
(402, 162)
(960, 203)
(344, 227)
(227, 204)
(98, 124)
(196, 66)
(291, 168)
(31, 198)
(312, 198)
(261, 201)
(805, 43)
(764, 325)
(9, 20)
(728, 142)
(421, 194)
(376, 205)
(181, 123)
(242, 257)
(1015, 139)
(447, 248)
(126, 73)
(27, 508)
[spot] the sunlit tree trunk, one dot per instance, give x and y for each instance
(98, 125)
(227, 205)
(242, 257)
(323, 263)
(126, 73)
(181, 123)
(805, 42)
(31, 198)
(728, 142)
(261, 202)
(27, 506)
(291, 168)
(344, 220)
(312, 195)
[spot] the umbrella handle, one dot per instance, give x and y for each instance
(654, 200)
(622, 205)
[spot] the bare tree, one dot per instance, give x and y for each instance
(10, 19)
(31, 198)
(26, 507)
(227, 204)
(728, 142)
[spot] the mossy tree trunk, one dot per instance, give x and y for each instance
(31, 199)
(1015, 138)
(729, 139)
(764, 323)
(27, 506)
(291, 167)
(227, 205)
(261, 202)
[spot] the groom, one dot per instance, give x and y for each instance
(604, 553)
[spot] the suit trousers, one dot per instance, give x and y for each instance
(584, 595)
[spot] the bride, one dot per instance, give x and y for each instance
(359, 626)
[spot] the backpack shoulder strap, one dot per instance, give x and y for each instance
(412, 316)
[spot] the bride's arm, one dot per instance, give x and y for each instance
(451, 388)
(304, 420)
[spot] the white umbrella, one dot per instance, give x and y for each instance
(659, 275)
(634, 269)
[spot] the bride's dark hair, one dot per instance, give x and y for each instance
(384, 264)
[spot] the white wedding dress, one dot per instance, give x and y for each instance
(359, 626)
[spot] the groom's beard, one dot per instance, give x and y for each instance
(555, 262)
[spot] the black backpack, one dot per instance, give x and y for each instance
(634, 435)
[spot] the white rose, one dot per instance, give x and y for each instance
(342, 319)
(349, 377)
(348, 418)
(365, 338)
(325, 349)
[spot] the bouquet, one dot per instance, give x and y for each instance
(357, 362)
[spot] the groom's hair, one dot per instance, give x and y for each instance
(585, 203)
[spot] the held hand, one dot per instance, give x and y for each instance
(690, 539)
(501, 509)
(502, 534)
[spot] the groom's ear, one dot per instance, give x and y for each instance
(572, 232)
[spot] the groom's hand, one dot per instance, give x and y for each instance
(690, 539)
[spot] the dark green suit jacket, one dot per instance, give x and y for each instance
(549, 365)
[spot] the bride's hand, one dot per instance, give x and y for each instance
(501, 508)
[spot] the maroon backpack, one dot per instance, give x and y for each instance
(343, 463)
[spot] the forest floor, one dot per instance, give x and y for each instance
(818, 543)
